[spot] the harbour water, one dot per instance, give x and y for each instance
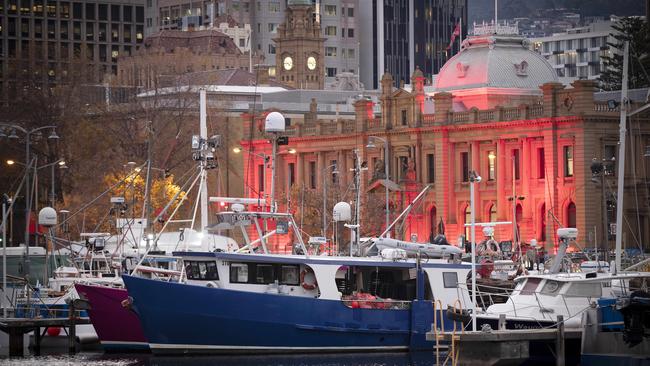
(345, 359)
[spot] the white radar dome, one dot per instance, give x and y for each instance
(274, 122)
(47, 216)
(342, 212)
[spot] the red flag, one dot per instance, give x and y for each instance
(454, 34)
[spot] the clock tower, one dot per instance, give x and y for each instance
(300, 48)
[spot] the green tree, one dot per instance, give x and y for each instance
(636, 31)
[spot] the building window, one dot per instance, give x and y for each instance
(330, 51)
(541, 164)
(273, 27)
(331, 72)
(515, 158)
(404, 119)
(292, 174)
(571, 215)
(330, 30)
(568, 162)
(493, 213)
(350, 32)
(330, 10)
(468, 220)
(492, 165)
(271, 49)
(431, 168)
(464, 158)
(350, 12)
(312, 174)
(260, 178)
(274, 7)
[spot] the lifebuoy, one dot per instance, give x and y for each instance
(306, 285)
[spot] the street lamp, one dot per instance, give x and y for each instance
(60, 163)
(28, 135)
(335, 171)
(371, 145)
(266, 158)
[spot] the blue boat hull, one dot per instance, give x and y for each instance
(180, 318)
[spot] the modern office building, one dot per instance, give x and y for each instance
(41, 38)
(396, 36)
(576, 53)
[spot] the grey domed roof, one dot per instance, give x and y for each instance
(495, 61)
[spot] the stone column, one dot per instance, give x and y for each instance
(342, 162)
(320, 165)
(526, 178)
(418, 161)
(502, 203)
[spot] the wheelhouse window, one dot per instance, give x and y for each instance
(265, 273)
(584, 289)
(450, 279)
(204, 271)
(530, 286)
(551, 287)
(239, 273)
(289, 275)
(378, 288)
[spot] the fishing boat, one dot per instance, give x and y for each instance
(296, 303)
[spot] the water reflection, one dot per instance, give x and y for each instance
(345, 359)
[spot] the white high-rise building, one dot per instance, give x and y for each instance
(577, 53)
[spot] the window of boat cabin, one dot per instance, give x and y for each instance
(585, 289)
(382, 282)
(450, 279)
(551, 287)
(238, 272)
(265, 273)
(530, 286)
(201, 270)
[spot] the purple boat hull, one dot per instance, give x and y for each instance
(117, 327)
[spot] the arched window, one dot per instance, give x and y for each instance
(542, 223)
(468, 220)
(571, 215)
(493, 213)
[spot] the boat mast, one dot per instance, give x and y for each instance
(203, 186)
(621, 160)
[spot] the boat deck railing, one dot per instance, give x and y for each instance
(377, 304)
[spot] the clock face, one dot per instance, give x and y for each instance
(287, 63)
(311, 63)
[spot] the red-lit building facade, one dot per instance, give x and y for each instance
(497, 109)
